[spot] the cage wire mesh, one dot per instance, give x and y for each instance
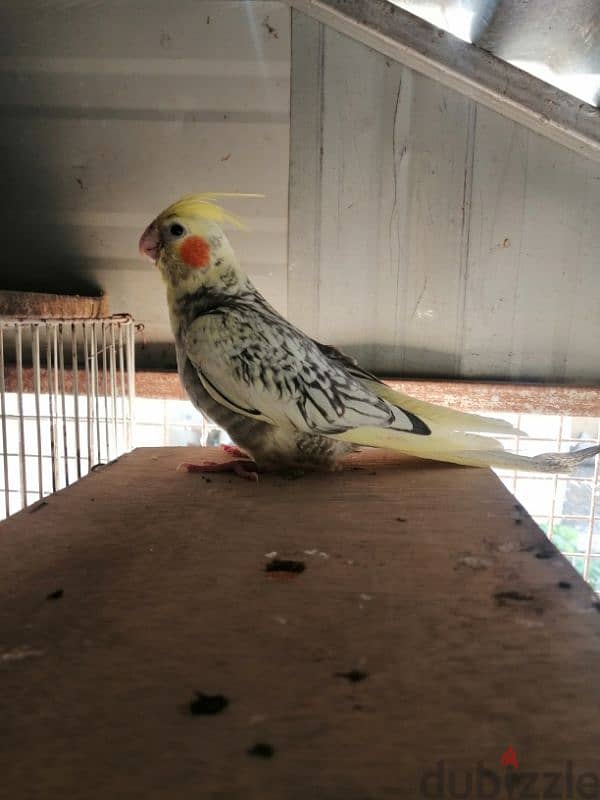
(67, 393)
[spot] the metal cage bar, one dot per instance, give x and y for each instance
(4, 430)
(67, 391)
(36, 359)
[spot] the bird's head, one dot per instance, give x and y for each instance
(187, 243)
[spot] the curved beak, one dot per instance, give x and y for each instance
(149, 245)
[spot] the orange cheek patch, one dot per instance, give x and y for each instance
(195, 251)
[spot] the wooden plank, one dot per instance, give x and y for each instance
(305, 175)
(501, 398)
(32, 305)
(442, 239)
(524, 398)
(355, 88)
(531, 312)
(387, 159)
(434, 237)
(470, 633)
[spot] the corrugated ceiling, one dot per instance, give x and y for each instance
(558, 42)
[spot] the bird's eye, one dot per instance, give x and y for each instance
(176, 229)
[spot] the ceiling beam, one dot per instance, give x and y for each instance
(468, 69)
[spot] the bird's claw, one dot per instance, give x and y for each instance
(239, 467)
(234, 451)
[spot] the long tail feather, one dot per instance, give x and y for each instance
(467, 449)
(449, 417)
(544, 462)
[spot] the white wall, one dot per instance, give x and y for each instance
(111, 110)
(430, 236)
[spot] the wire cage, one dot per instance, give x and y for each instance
(67, 392)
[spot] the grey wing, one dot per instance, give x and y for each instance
(257, 364)
(351, 364)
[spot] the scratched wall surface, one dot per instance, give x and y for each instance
(430, 236)
(111, 110)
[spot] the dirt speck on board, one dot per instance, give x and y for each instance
(564, 585)
(354, 675)
(208, 704)
(512, 596)
(285, 565)
(401, 519)
(261, 750)
(473, 562)
(55, 595)
(545, 554)
(21, 653)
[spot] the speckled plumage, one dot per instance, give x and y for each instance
(245, 336)
(286, 399)
(279, 395)
(270, 447)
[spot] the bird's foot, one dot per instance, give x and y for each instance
(234, 451)
(239, 467)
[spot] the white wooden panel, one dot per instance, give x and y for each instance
(390, 238)
(444, 239)
(305, 173)
(533, 284)
(433, 234)
(112, 110)
(354, 86)
(494, 245)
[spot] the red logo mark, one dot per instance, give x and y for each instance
(509, 758)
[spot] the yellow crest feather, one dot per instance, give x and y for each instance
(202, 205)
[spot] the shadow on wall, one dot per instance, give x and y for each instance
(39, 251)
(402, 361)
(37, 254)
(155, 355)
(406, 362)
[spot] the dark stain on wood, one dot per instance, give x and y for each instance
(208, 704)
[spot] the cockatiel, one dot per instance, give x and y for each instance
(286, 399)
